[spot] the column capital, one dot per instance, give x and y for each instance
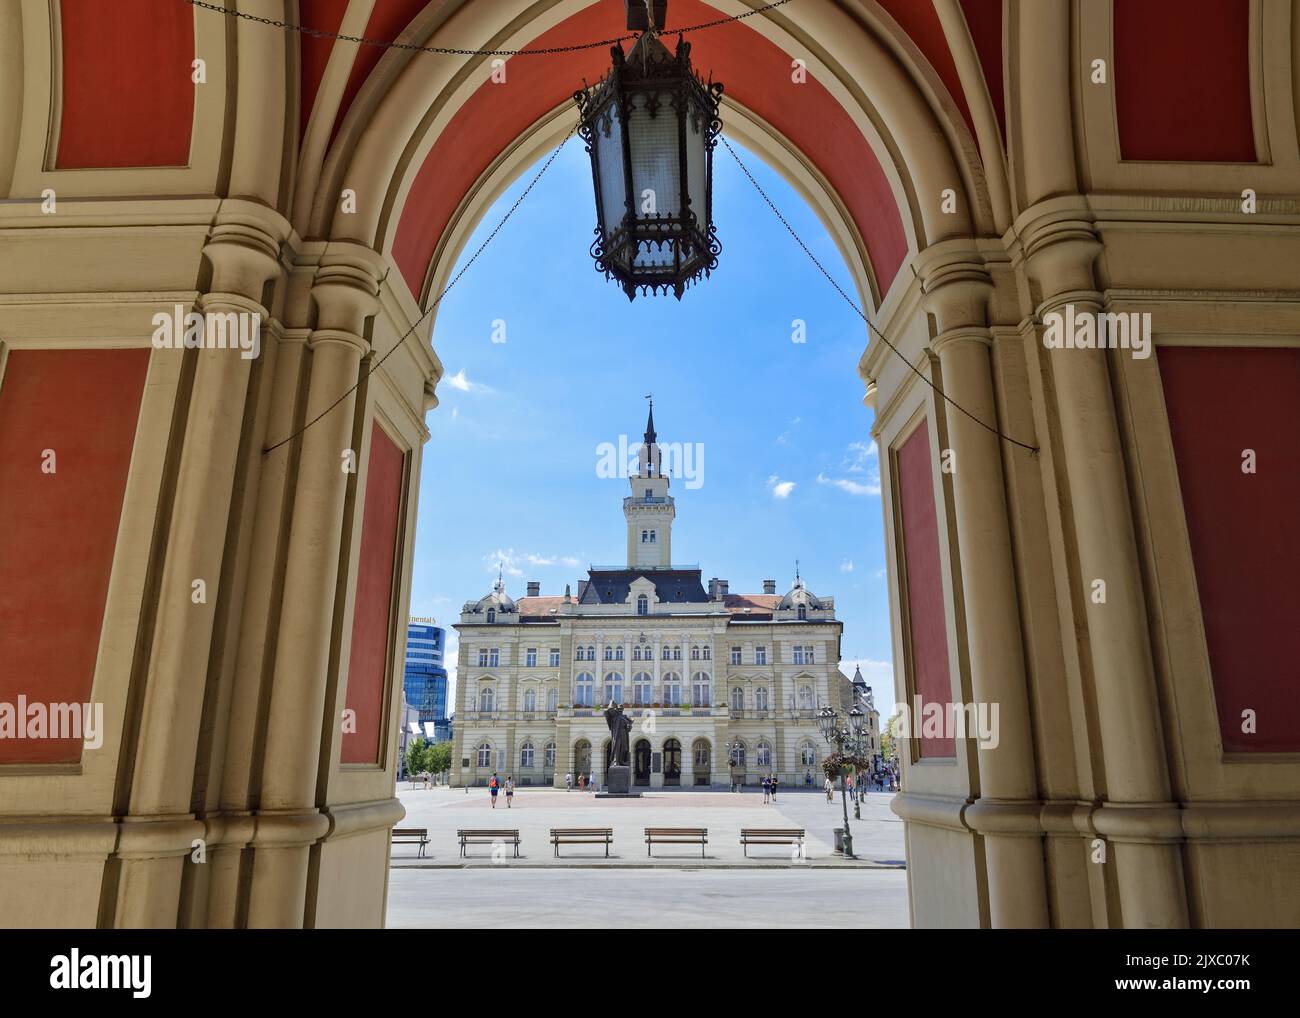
(345, 287)
(960, 334)
(1059, 254)
(956, 284)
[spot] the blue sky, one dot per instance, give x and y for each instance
(789, 468)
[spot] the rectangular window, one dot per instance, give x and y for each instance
(530, 657)
(798, 654)
(494, 657)
(555, 657)
(735, 655)
(482, 658)
(760, 655)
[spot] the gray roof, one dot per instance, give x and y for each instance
(673, 586)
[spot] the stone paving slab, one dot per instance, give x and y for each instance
(878, 836)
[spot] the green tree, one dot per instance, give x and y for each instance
(888, 741)
(439, 757)
(417, 756)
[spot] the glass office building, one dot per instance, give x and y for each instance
(425, 679)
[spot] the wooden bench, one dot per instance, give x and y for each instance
(484, 836)
(411, 836)
(770, 836)
(582, 836)
(676, 836)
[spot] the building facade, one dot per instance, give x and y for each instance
(425, 679)
(855, 692)
(721, 687)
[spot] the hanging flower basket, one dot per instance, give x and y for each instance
(838, 764)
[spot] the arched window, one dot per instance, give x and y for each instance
(492, 615)
(695, 653)
(808, 755)
(609, 653)
(484, 754)
(645, 537)
(701, 694)
(667, 653)
(584, 688)
(805, 698)
(763, 756)
(613, 688)
(530, 700)
(641, 689)
(738, 755)
(642, 608)
(487, 698)
(672, 689)
(760, 698)
(705, 652)
(737, 699)
(526, 755)
(591, 652)
(552, 699)
(636, 653)
(677, 653)
(550, 755)
(652, 536)
(578, 653)
(618, 653)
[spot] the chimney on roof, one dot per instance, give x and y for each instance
(534, 588)
(713, 588)
(769, 586)
(724, 587)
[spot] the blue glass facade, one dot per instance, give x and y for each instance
(425, 679)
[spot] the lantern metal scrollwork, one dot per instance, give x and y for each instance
(650, 126)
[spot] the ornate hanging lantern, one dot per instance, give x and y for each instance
(650, 126)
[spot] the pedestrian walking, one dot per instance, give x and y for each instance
(494, 786)
(830, 790)
(510, 791)
(767, 790)
(591, 781)
(582, 782)
(568, 781)
(773, 785)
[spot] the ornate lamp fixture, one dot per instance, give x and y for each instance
(650, 126)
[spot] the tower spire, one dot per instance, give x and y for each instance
(650, 422)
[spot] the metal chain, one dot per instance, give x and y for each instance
(859, 312)
(318, 33)
(437, 300)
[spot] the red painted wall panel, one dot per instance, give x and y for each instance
(1243, 527)
(925, 603)
(58, 531)
(314, 51)
(368, 662)
(1182, 80)
(128, 99)
(755, 72)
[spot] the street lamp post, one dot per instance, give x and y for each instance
(847, 740)
(733, 754)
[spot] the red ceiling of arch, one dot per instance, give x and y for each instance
(756, 74)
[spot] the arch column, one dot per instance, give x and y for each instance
(345, 294)
(1005, 811)
(1137, 816)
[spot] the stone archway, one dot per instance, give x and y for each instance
(976, 185)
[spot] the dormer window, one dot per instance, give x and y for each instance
(642, 608)
(649, 493)
(803, 611)
(492, 615)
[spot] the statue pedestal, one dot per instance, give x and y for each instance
(618, 784)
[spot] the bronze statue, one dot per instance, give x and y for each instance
(619, 727)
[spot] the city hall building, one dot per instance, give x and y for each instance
(720, 686)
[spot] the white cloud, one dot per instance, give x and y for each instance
(461, 383)
(780, 488)
(852, 487)
(515, 563)
(846, 566)
(858, 457)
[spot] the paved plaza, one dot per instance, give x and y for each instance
(508, 898)
(877, 837)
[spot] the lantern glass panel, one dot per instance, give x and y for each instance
(655, 164)
(696, 156)
(609, 160)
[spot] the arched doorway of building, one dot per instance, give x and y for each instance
(672, 762)
(641, 762)
(701, 761)
(581, 758)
